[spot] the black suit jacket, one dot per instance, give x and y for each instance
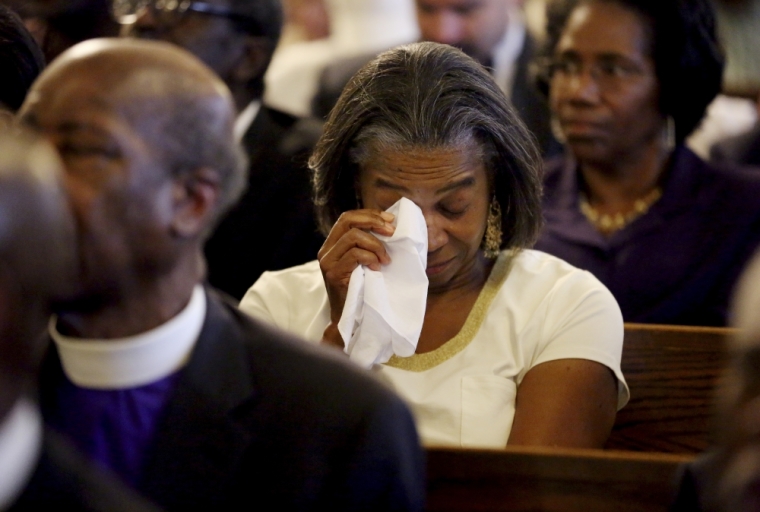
(272, 226)
(259, 418)
(63, 480)
(531, 105)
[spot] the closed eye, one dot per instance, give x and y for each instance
(88, 150)
(453, 212)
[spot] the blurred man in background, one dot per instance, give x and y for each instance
(272, 226)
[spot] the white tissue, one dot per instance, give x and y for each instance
(384, 309)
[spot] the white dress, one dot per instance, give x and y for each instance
(534, 308)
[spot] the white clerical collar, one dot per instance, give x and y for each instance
(20, 446)
(245, 119)
(137, 360)
(507, 51)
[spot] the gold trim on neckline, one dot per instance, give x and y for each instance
(428, 360)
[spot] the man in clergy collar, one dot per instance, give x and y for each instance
(236, 38)
(190, 401)
(38, 471)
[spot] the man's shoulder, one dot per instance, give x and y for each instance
(278, 358)
(291, 134)
(65, 480)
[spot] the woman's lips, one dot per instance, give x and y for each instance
(582, 129)
(437, 267)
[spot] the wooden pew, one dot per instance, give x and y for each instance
(672, 372)
(542, 479)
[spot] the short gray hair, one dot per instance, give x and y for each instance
(428, 96)
(188, 128)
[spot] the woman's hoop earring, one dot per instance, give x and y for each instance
(670, 133)
(492, 238)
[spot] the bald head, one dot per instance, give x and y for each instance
(156, 63)
(37, 255)
(145, 133)
(169, 97)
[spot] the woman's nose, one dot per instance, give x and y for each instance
(437, 236)
(583, 86)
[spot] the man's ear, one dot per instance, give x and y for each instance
(254, 61)
(196, 198)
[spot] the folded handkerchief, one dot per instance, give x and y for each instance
(384, 309)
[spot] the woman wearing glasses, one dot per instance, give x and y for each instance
(628, 81)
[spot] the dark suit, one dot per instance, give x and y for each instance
(260, 418)
(272, 227)
(63, 480)
(525, 96)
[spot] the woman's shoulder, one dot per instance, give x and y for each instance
(298, 280)
(554, 284)
(536, 264)
(308, 271)
(742, 179)
(279, 296)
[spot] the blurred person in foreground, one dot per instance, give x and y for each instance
(37, 265)
(727, 478)
(516, 346)
(666, 232)
(272, 226)
(151, 374)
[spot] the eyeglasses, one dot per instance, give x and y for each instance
(609, 73)
(169, 13)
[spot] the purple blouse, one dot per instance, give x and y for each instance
(678, 263)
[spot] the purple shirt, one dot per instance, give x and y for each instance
(678, 263)
(114, 427)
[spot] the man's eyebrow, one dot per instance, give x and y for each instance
(68, 127)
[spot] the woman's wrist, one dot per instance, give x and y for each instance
(332, 336)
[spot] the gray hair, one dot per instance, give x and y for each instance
(190, 128)
(429, 96)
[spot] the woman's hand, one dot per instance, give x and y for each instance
(349, 245)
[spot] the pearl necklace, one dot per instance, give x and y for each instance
(608, 224)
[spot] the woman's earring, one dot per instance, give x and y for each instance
(492, 237)
(670, 133)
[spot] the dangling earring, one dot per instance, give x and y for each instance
(670, 133)
(556, 130)
(492, 238)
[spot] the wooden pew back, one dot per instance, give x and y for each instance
(541, 479)
(672, 372)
